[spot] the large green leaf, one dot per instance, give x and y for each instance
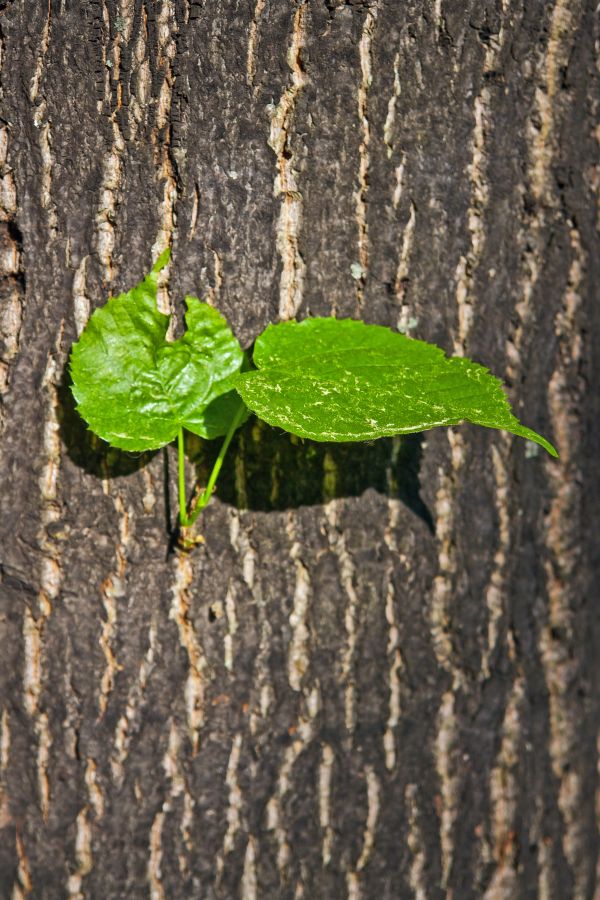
(341, 380)
(136, 389)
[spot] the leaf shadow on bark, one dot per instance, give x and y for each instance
(266, 469)
(269, 470)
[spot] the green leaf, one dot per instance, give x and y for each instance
(341, 380)
(136, 389)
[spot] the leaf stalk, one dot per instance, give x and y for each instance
(187, 517)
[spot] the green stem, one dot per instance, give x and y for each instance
(183, 518)
(207, 492)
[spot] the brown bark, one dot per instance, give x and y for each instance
(379, 676)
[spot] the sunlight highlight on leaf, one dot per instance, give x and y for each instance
(342, 380)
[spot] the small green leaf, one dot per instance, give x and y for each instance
(136, 389)
(341, 380)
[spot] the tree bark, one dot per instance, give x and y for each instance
(379, 676)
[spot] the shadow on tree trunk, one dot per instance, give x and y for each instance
(266, 469)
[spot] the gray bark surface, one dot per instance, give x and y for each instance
(378, 678)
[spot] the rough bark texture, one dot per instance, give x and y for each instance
(379, 676)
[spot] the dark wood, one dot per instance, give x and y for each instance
(378, 678)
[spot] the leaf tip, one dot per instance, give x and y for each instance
(548, 447)
(162, 261)
(531, 435)
(551, 449)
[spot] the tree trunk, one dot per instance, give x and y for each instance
(378, 677)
